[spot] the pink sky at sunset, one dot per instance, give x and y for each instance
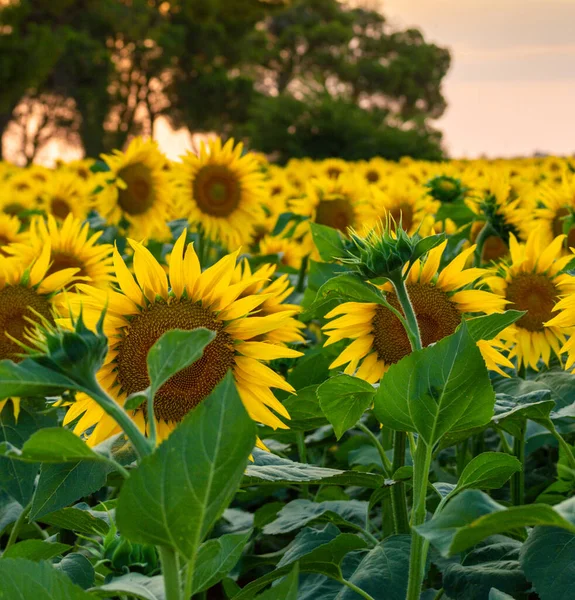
(511, 87)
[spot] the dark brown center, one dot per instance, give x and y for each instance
(337, 213)
(537, 295)
(403, 212)
(437, 317)
(138, 195)
(63, 260)
(185, 390)
(494, 249)
(216, 190)
(60, 208)
(17, 304)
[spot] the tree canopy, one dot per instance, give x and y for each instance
(301, 78)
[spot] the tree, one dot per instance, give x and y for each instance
(352, 86)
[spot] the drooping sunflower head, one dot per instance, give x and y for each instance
(27, 296)
(72, 247)
(440, 302)
(223, 191)
(153, 302)
(533, 281)
(492, 201)
(138, 189)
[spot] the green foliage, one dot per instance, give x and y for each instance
(176, 507)
(436, 390)
(230, 66)
(344, 399)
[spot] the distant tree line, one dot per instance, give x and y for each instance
(295, 78)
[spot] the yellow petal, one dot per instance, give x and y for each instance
(177, 266)
(126, 281)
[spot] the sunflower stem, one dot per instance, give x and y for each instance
(171, 573)
(356, 589)
(302, 452)
(480, 241)
(112, 408)
(548, 424)
(419, 547)
(411, 325)
(398, 497)
(518, 479)
(18, 526)
(385, 462)
(151, 418)
(302, 273)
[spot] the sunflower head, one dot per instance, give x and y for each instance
(223, 190)
(238, 306)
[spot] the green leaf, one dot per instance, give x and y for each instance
(299, 513)
(321, 550)
(133, 584)
(61, 484)
(175, 350)
(216, 558)
(79, 519)
(426, 244)
(493, 565)
(458, 212)
(135, 400)
(329, 242)
(488, 471)
(28, 379)
(510, 413)
(383, 570)
(473, 516)
(271, 469)
(286, 589)
(347, 287)
(548, 559)
(495, 594)
(54, 445)
(16, 477)
(316, 550)
(78, 569)
(343, 400)
(176, 495)
(304, 410)
(442, 388)
(39, 580)
(35, 550)
(487, 327)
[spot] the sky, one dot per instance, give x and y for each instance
(511, 86)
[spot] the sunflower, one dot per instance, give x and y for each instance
(532, 281)
(338, 203)
(18, 193)
(289, 250)
(555, 210)
(10, 232)
(440, 303)
(223, 190)
(139, 189)
(492, 202)
(402, 200)
(27, 291)
(145, 307)
(65, 194)
(72, 246)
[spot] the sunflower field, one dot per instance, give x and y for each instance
(221, 378)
